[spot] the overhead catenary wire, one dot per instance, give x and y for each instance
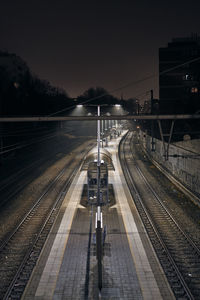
(17, 146)
(27, 130)
(25, 143)
(131, 83)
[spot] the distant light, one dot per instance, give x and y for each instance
(194, 90)
(138, 127)
(16, 85)
(79, 105)
(117, 105)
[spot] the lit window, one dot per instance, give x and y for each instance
(194, 90)
(16, 85)
(187, 77)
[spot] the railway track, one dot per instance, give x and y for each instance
(13, 184)
(20, 250)
(177, 253)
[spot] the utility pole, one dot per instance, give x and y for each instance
(106, 132)
(102, 133)
(152, 126)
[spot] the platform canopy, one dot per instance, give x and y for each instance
(105, 157)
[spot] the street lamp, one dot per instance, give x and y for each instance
(99, 213)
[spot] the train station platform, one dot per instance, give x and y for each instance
(67, 267)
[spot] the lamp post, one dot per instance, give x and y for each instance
(99, 213)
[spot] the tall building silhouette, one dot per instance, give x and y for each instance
(180, 87)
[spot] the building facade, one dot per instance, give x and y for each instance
(179, 87)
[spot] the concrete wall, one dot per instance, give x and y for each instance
(185, 166)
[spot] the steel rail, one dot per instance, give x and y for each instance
(53, 209)
(167, 211)
(143, 211)
(36, 204)
(45, 223)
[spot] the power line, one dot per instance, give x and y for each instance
(152, 76)
(135, 82)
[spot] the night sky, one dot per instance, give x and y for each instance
(81, 44)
